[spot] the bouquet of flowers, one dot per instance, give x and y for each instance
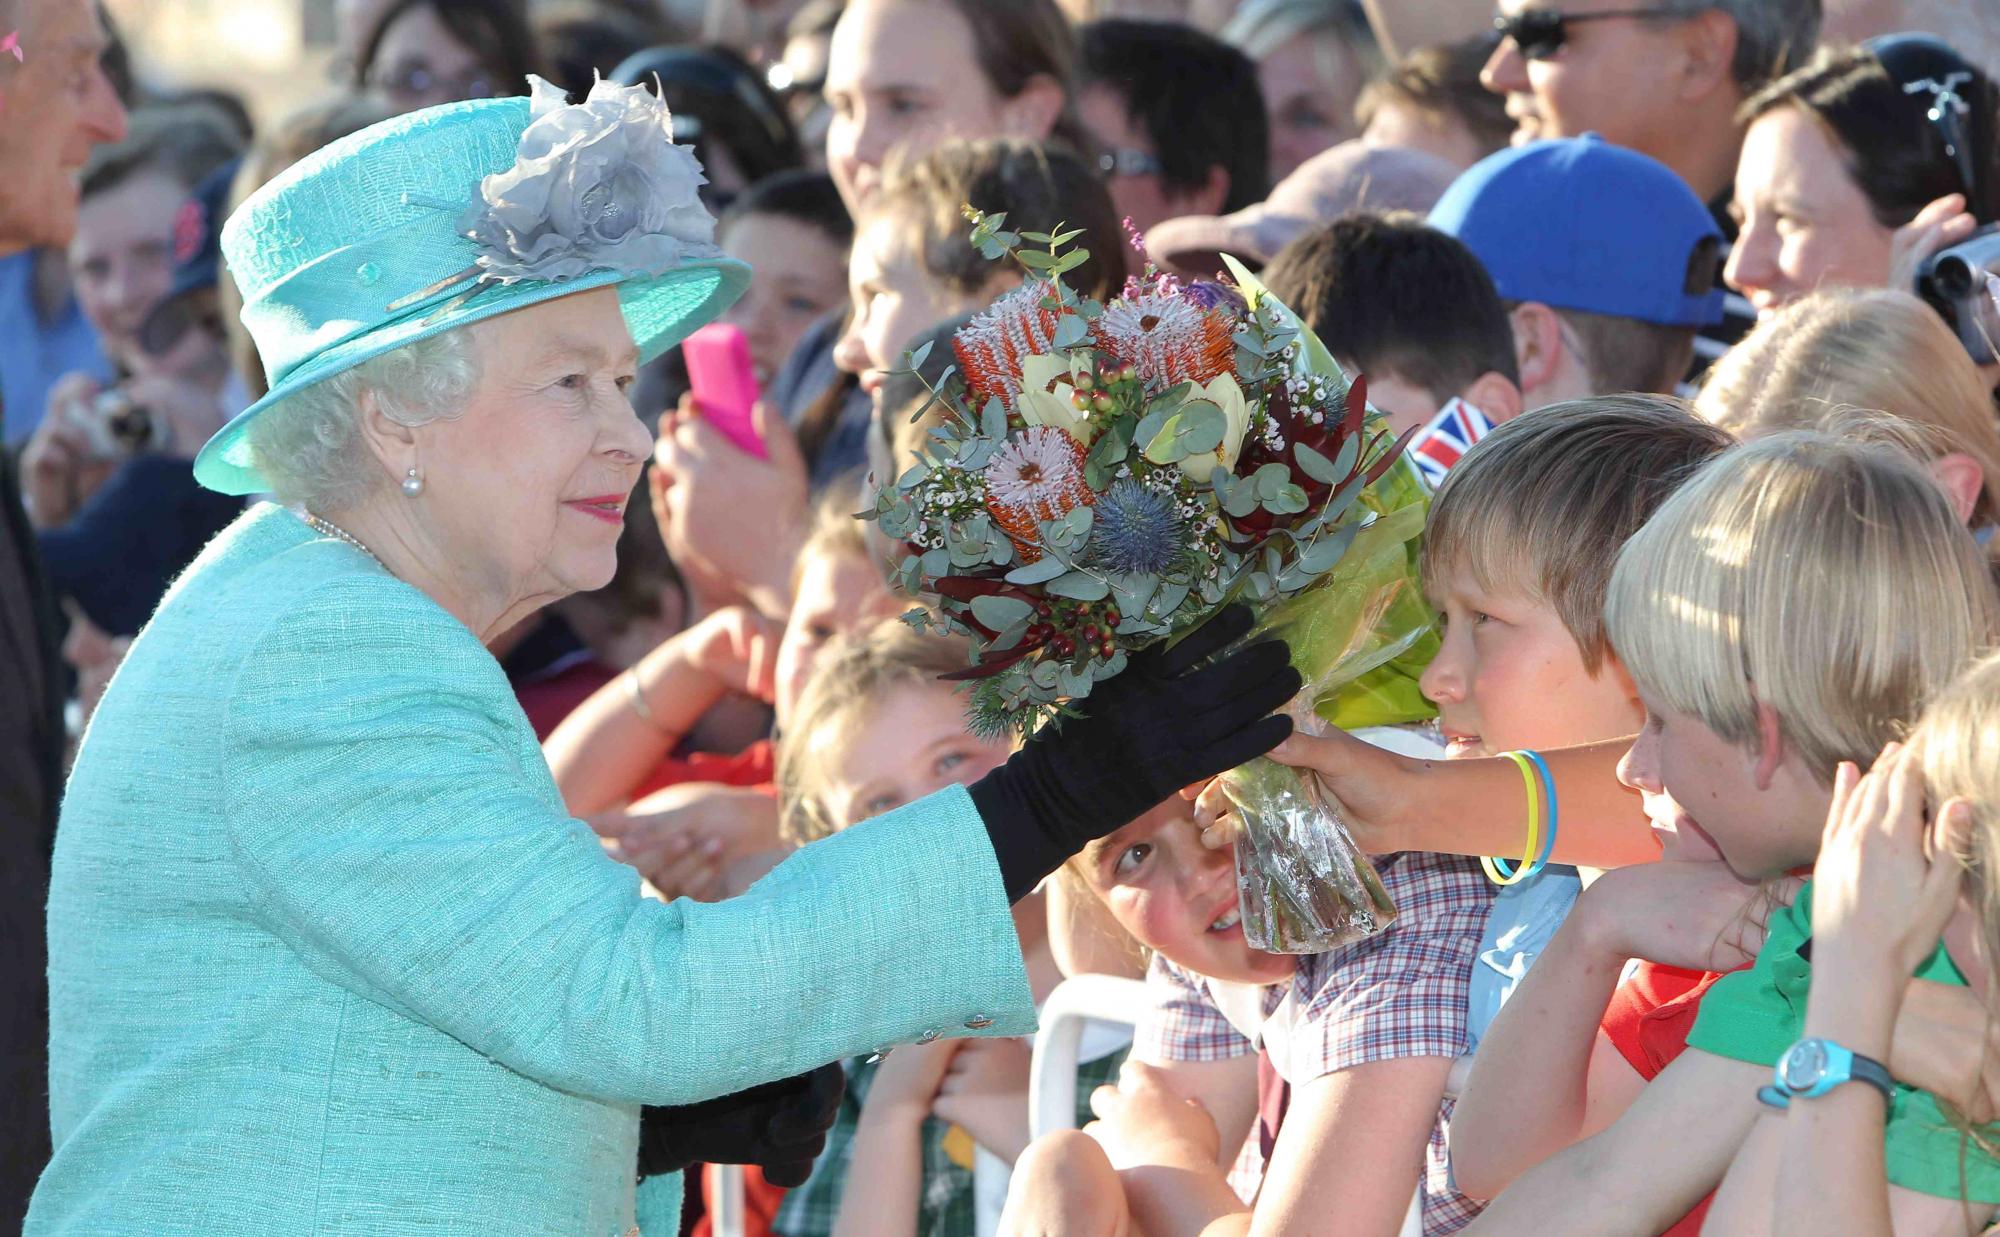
(1109, 476)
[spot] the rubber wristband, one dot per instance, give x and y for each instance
(1508, 874)
(1548, 797)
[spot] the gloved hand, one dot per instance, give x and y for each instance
(780, 1127)
(1167, 722)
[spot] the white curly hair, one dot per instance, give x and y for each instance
(309, 445)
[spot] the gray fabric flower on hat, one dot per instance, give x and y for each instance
(599, 185)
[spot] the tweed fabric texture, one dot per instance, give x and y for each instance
(327, 955)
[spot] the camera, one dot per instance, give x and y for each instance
(1963, 284)
(118, 426)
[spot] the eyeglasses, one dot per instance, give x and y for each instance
(1541, 33)
(1125, 161)
(419, 80)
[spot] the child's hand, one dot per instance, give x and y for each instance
(1939, 225)
(681, 838)
(906, 1084)
(1694, 914)
(1144, 1121)
(731, 519)
(738, 648)
(1886, 880)
(985, 1091)
(1369, 782)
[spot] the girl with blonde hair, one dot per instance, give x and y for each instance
(1818, 361)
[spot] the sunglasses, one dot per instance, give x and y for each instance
(1541, 33)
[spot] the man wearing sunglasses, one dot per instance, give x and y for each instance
(1664, 77)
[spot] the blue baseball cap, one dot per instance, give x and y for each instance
(1577, 223)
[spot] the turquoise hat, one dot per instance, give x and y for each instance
(454, 214)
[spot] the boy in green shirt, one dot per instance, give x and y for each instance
(1766, 615)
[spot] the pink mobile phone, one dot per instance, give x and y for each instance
(723, 383)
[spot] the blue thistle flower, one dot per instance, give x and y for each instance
(1135, 529)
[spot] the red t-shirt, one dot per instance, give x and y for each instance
(754, 766)
(1648, 1021)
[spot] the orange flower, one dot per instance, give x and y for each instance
(1168, 338)
(993, 346)
(1035, 476)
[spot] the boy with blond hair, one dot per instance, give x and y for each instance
(1793, 606)
(1358, 1044)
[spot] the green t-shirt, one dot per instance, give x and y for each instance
(1756, 1015)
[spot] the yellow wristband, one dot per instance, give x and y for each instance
(1533, 789)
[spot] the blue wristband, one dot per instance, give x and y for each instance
(1548, 797)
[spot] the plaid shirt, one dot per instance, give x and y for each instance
(1398, 994)
(945, 1205)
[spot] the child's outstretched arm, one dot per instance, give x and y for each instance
(1464, 807)
(1648, 1169)
(884, 1190)
(603, 750)
(1545, 1075)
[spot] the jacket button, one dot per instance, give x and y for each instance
(978, 1022)
(928, 1037)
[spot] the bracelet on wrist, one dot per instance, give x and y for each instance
(635, 692)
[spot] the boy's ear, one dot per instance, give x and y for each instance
(1032, 113)
(1961, 478)
(1770, 746)
(1494, 394)
(1538, 345)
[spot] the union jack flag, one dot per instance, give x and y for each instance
(1450, 434)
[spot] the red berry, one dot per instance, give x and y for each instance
(1064, 646)
(1091, 634)
(1111, 618)
(1044, 610)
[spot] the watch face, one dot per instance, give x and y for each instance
(1804, 1065)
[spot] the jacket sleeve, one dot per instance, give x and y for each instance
(393, 828)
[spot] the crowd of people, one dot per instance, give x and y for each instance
(1652, 290)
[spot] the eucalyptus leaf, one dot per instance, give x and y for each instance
(1039, 238)
(1010, 636)
(1045, 675)
(1072, 682)
(1315, 465)
(1079, 586)
(1000, 613)
(1242, 500)
(1347, 458)
(1064, 238)
(1322, 555)
(993, 419)
(1289, 500)
(1169, 598)
(921, 354)
(1071, 331)
(1034, 261)
(1196, 427)
(1269, 478)
(936, 562)
(1047, 568)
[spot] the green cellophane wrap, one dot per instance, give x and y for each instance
(1360, 637)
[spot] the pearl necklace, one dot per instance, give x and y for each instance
(330, 529)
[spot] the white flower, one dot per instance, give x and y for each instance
(1047, 396)
(597, 185)
(1225, 394)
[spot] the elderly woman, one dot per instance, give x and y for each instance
(327, 955)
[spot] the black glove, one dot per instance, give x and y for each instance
(780, 1127)
(1167, 722)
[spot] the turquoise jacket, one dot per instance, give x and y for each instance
(327, 955)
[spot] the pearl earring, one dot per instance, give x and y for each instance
(413, 484)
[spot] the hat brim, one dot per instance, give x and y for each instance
(660, 312)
